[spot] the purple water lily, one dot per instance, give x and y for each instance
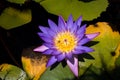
(65, 41)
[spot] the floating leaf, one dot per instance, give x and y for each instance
(33, 63)
(58, 73)
(108, 43)
(90, 10)
(38, 0)
(105, 52)
(10, 72)
(17, 1)
(117, 63)
(11, 18)
(96, 65)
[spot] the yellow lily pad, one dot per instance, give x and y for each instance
(105, 53)
(33, 63)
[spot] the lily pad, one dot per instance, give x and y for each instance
(17, 1)
(58, 73)
(89, 9)
(12, 18)
(117, 63)
(97, 65)
(105, 54)
(38, 0)
(10, 72)
(33, 63)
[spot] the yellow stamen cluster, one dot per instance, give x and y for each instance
(65, 42)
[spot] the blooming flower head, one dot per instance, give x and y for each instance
(65, 41)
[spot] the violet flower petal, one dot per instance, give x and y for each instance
(70, 57)
(61, 23)
(44, 29)
(47, 52)
(83, 41)
(77, 24)
(81, 32)
(78, 51)
(73, 67)
(70, 22)
(92, 36)
(85, 49)
(45, 37)
(52, 25)
(49, 45)
(78, 21)
(74, 28)
(51, 33)
(56, 52)
(41, 48)
(60, 57)
(51, 61)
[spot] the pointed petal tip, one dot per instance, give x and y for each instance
(47, 66)
(93, 35)
(41, 27)
(61, 23)
(40, 48)
(61, 20)
(36, 49)
(79, 21)
(80, 18)
(60, 17)
(96, 34)
(73, 67)
(50, 22)
(70, 16)
(70, 22)
(44, 29)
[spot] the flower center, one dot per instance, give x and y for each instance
(65, 42)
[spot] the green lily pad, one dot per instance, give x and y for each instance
(58, 73)
(10, 72)
(117, 63)
(38, 0)
(97, 65)
(90, 10)
(12, 18)
(17, 1)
